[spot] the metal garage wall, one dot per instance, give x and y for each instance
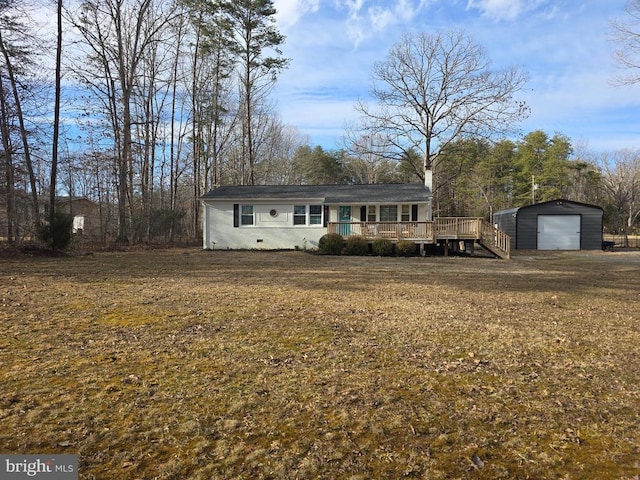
(591, 225)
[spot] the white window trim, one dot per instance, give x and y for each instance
(253, 215)
(398, 206)
(374, 214)
(398, 209)
(307, 216)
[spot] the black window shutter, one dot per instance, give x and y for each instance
(326, 215)
(363, 213)
(236, 215)
(414, 213)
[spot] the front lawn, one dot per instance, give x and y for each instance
(186, 364)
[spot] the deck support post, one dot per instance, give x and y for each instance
(446, 248)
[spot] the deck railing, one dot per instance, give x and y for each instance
(442, 228)
(458, 228)
(391, 230)
(454, 228)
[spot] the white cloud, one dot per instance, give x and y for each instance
(364, 23)
(568, 89)
(289, 12)
(402, 11)
(353, 6)
(381, 17)
(355, 25)
(407, 10)
(505, 9)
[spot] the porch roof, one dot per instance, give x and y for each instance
(329, 194)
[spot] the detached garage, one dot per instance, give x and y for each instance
(554, 225)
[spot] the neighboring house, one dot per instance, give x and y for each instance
(85, 213)
(297, 216)
(554, 225)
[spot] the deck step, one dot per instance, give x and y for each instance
(497, 251)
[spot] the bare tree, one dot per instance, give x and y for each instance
(8, 165)
(626, 33)
(14, 36)
(277, 164)
(56, 114)
(154, 90)
(434, 89)
(367, 160)
(118, 35)
(621, 182)
(209, 88)
(255, 35)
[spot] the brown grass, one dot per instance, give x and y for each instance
(262, 365)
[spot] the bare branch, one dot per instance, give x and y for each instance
(626, 33)
(434, 89)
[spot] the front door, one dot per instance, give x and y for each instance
(344, 217)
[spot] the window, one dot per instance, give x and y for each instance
(315, 214)
(246, 218)
(299, 214)
(388, 213)
(406, 213)
(307, 214)
(371, 213)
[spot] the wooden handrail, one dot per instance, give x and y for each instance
(461, 228)
(496, 240)
(390, 230)
(442, 228)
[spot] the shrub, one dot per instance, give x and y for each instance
(382, 247)
(356, 245)
(57, 235)
(405, 248)
(331, 244)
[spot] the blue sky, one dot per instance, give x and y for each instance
(564, 46)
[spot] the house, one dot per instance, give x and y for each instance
(297, 216)
(554, 225)
(85, 214)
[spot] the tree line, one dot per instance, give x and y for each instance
(154, 102)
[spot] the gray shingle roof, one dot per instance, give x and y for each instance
(330, 194)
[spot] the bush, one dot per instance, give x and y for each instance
(382, 247)
(356, 245)
(405, 248)
(331, 244)
(57, 235)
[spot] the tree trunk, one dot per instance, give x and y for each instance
(23, 132)
(56, 119)
(8, 156)
(196, 130)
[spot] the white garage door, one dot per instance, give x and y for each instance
(559, 232)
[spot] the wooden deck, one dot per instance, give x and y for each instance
(442, 229)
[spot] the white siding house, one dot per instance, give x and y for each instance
(296, 216)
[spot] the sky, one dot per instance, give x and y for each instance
(565, 47)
